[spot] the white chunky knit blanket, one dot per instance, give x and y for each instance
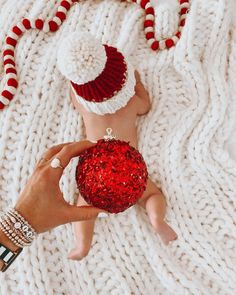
(186, 140)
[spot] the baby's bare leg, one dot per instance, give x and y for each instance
(84, 235)
(154, 202)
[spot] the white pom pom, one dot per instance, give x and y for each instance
(81, 57)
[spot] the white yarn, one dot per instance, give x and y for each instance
(81, 58)
(119, 100)
(192, 87)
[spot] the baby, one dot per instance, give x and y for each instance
(118, 111)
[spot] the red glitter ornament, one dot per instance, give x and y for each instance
(111, 175)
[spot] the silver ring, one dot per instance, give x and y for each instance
(56, 163)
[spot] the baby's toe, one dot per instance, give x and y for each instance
(78, 253)
(166, 233)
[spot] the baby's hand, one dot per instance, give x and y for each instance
(143, 100)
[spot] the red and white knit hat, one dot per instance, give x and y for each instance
(101, 77)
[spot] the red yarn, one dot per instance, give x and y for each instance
(65, 4)
(7, 94)
(11, 70)
(169, 43)
(61, 15)
(143, 3)
(183, 1)
(12, 82)
(8, 52)
(149, 35)
(108, 82)
(11, 41)
(53, 26)
(148, 23)
(155, 45)
(9, 61)
(39, 24)
(26, 23)
(17, 30)
(2, 105)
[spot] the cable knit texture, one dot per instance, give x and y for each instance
(192, 88)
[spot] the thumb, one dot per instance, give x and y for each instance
(79, 213)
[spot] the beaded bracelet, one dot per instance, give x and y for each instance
(17, 229)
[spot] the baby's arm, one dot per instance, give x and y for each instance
(142, 96)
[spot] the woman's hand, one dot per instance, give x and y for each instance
(41, 203)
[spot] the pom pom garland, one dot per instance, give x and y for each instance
(149, 25)
(53, 25)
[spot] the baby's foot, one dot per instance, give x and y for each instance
(79, 252)
(166, 233)
(84, 235)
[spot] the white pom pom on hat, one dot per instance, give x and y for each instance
(81, 57)
(101, 77)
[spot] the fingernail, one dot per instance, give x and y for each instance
(93, 141)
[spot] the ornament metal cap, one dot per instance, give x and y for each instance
(109, 135)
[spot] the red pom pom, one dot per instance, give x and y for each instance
(2, 105)
(183, 10)
(183, 1)
(182, 23)
(169, 43)
(148, 23)
(65, 4)
(143, 3)
(150, 10)
(11, 41)
(155, 45)
(9, 61)
(53, 26)
(17, 30)
(12, 82)
(149, 35)
(61, 15)
(11, 70)
(178, 34)
(111, 175)
(39, 24)
(7, 94)
(26, 23)
(8, 52)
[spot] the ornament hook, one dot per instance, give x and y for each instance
(109, 135)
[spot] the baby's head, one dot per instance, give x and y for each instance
(101, 78)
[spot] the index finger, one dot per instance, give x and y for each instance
(70, 151)
(51, 152)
